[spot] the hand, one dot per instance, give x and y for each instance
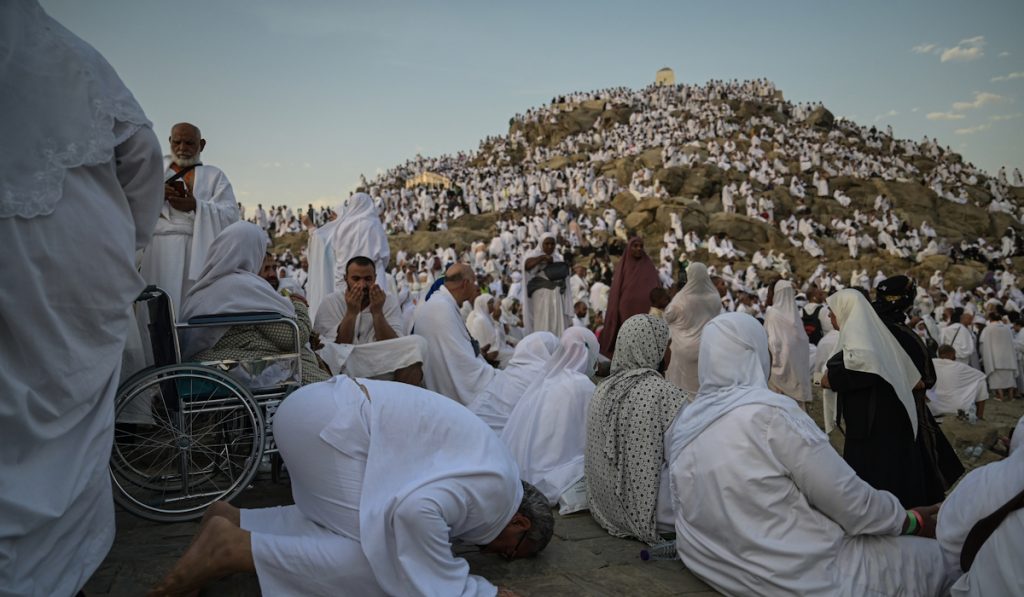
(179, 197)
(930, 515)
(377, 297)
(354, 299)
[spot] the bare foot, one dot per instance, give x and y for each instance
(221, 548)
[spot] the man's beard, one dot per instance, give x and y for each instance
(185, 162)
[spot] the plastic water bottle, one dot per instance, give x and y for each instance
(661, 551)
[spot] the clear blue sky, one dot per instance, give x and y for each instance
(297, 98)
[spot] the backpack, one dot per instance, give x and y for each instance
(812, 325)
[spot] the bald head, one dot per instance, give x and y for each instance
(187, 144)
(461, 282)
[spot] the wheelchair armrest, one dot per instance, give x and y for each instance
(235, 318)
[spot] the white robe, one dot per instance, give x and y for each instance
(547, 430)
(790, 349)
(693, 306)
(528, 362)
(957, 387)
(175, 257)
(996, 569)
(547, 310)
(962, 340)
(999, 356)
(374, 512)
(764, 505)
(64, 332)
(450, 366)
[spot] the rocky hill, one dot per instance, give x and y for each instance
(694, 192)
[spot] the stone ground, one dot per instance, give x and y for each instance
(582, 558)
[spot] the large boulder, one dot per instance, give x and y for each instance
(962, 221)
(671, 179)
(967, 275)
(624, 203)
(650, 158)
(691, 213)
(637, 220)
(649, 204)
(820, 118)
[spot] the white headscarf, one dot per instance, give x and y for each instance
(870, 347)
(691, 308)
(734, 365)
(480, 323)
(358, 232)
(229, 284)
(791, 354)
(87, 111)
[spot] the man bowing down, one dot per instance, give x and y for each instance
(198, 204)
(385, 478)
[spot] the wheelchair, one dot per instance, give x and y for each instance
(190, 434)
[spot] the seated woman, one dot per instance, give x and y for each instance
(528, 361)
(629, 414)
(546, 431)
(228, 284)
(763, 503)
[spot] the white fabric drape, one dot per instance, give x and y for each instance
(870, 347)
(692, 307)
(996, 569)
(957, 387)
(546, 310)
(358, 232)
(764, 505)
(547, 430)
(61, 100)
(70, 224)
(788, 345)
(450, 366)
(528, 361)
(229, 284)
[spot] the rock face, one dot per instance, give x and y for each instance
(694, 193)
(820, 118)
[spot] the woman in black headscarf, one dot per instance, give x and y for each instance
(894, 298)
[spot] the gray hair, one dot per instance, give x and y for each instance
(542, 523)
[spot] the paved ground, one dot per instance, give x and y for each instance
(582, 559)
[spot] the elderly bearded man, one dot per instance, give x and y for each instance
(198, 204)
(385, 478)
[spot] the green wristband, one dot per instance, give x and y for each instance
(912, 527)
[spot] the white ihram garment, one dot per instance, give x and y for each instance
(547, 430)
(175, 257)
(450, 366)
(999, 356)
(376, 510)
(996, 569)
(764, 505)
(70, 224)
(957, 387)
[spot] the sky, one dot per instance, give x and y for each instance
(297, 99)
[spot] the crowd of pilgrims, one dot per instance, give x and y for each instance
(456, 397)
(691, 125)
(595, 376)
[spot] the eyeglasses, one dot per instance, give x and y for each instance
(512, 555)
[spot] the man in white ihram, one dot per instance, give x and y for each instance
(198, 204)
(70, 223)
(385, 478)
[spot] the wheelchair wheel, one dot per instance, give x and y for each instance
(195, 437)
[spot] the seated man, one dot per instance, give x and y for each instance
(764, 505)
(958, 386)
(229, 284)
(359, 325)
(992, 562)
(453, 365)
(376, 510)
